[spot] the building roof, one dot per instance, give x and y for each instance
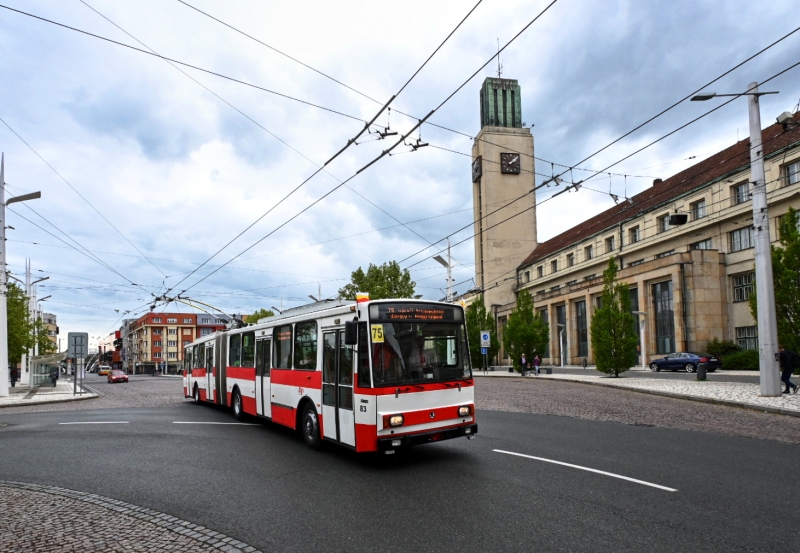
(729, 161)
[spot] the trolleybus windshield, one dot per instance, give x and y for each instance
(417, 342)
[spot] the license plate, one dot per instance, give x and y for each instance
(713, 358)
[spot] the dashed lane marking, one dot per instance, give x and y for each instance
(96, 422)
(587, 469)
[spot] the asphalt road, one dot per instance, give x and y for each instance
(260, 484)
(717, 376)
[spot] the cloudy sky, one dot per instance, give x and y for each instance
(146, 170)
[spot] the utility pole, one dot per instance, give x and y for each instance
(449, 265)
(3, 275)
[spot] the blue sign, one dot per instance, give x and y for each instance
(484, 351)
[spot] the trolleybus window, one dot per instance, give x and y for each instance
(417, 343)
(249, 349)
(305, 346)
(282, 347)
(200, 355)
(329, 368)
(363, 357)
(234, 351)
(345, 375)
(195, 359)
(262, 357)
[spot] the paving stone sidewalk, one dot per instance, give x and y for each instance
(44, 519)
(21, 396)
(735, 394)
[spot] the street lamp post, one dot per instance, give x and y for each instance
(767, 321)
(642, 339)
(3, 281)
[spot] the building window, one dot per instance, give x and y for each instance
(664, 317)
(554, 266)
(610, 244)
(588, 252)
(187, 321)
(172, 343)
(703, 245)
(664, 254)
(205, 321)
(590, 277)
(571, 282)
(205, 331)
(663, 223)
(172, 320)
(561, 327)
(556, 287)
(583, 332)
(172, 355)
(187, 331)
(221, 321)
(158, 331)
(740, 193)
(156, 355)
(698, 209)
(172, 331)
(741, 239)
(743, 286)
(793, 173)
(156, 319)
(156, 343)
(527, 276)
(747, 337)
(635, 263)
(539, 271)
(633, 235)
(570, 259)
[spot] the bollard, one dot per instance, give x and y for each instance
(701, 371)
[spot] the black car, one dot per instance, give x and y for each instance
(685, 361)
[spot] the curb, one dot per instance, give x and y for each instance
(739, 404)
(61, 400)
(201, 534)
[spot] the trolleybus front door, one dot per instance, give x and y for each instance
(263, 361)
(338, 422)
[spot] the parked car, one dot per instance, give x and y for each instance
(117, 376)
(685, 361)
(103, 370)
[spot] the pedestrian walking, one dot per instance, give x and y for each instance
(789, 360)
(523, 363)
(13, 374)
(536, 364)
(54, 376)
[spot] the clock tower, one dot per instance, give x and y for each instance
(504, 202)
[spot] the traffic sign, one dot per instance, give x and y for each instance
(484, 351)
(78, 344)
(486, 341)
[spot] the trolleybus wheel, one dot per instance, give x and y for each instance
(309, 426)
(238, 412)
(196, 395)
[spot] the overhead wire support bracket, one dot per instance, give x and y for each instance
(366, 127)
(402, 138)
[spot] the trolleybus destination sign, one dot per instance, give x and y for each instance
(414, 312)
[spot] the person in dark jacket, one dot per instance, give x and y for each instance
(54, 376)
(13, 374)
(788, 361)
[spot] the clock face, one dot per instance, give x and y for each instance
(509, 163)
(477, 169)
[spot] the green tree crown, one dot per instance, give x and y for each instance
(380, 281)
(614, 337)
(259, 314)
(526, 331)
(477, 319)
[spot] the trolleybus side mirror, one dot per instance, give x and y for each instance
(350, 333)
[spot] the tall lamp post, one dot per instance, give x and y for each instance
(3, 281)
(642, 338)
(767, 322)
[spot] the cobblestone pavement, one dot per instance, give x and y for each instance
(141, 391)
(44, 519)
(572, 399)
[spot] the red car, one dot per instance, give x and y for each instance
(117, 376)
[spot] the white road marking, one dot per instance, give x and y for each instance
(100, 422)
(229, 423)
(588, 470)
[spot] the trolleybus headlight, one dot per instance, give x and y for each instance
(393, 420)
(465, 410)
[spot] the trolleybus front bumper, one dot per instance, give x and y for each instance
(394, 442)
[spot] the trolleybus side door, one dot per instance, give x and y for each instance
(263, 362)
(209, 365)
(338, 422)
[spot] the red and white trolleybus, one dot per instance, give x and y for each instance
(371, 376)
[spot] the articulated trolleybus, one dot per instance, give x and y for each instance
(371, 376)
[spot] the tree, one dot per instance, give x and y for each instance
(258, 315)
(41, 339)
(614, 337)
(477, 319)
(526, 331)
(786, 279)
(381, 282)
(20, 328)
